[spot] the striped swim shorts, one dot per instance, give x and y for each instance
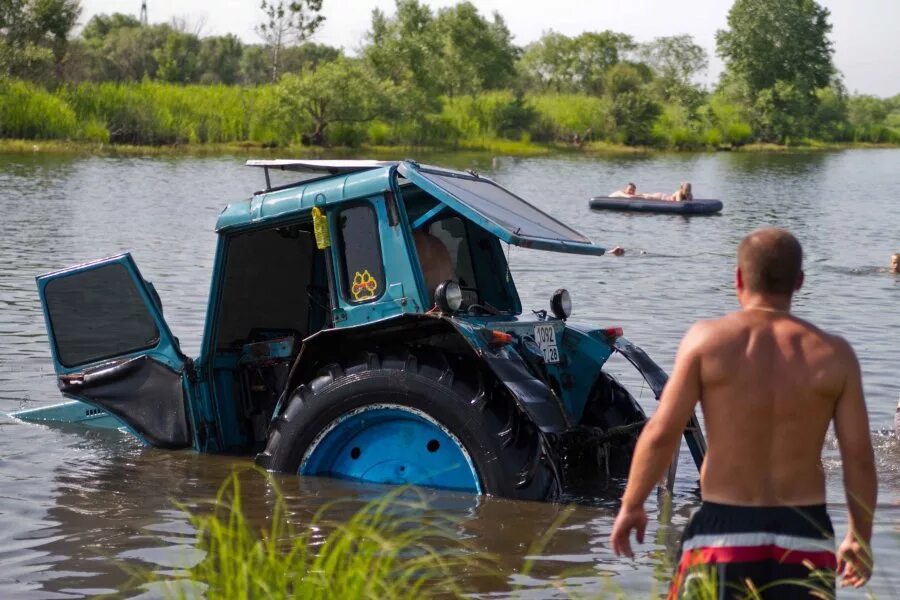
(776, 551)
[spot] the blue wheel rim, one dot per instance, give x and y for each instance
(392, 444)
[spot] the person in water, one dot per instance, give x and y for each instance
(895, 263)
(682, 194)
(769, 385)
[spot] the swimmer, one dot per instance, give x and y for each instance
(895, 263)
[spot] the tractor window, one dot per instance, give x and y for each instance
(97, 314)
(363, 274)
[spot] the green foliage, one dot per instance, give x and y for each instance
(633, 114)
(385, 551)
(490, 115)
(29, 112)
(153, 113)
(177, 59)
(339, 92)
(571, 117)
(219, 59)
(35, 36)
(475, 54)
(561, 64)
(675, 60)
(456, 52)
(779, 53)
(873, 119)
(778, 40)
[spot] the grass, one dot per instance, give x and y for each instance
(392, 548)
(385, 551)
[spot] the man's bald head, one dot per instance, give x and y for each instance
(771, 261)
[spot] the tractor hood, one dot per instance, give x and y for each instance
(496, 209)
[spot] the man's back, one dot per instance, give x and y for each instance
(769, 387)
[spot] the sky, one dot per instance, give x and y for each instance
(866, 33)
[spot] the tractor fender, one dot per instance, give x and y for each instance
(533, 396)
(656, 378)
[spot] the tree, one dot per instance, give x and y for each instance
(177, 59)
(101, 26)
(35, 34)
(778, 53)
(676, 60)
(338, 92)
(307, 55)
(287, 24)
(220, 59)
(563, 64)
(474, 54)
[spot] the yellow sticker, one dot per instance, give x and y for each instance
(364, 285)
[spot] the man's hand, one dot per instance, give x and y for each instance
(854, 561)
(628, 520)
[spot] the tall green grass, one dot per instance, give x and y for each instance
(385, 551)
(156, 113)
(152, 113)
(30, 112)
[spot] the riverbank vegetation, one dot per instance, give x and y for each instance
(451, 78)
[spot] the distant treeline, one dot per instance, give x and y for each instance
(425, 78)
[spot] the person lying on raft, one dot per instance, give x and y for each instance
(630, 191)
(770, 385)
(682, 194)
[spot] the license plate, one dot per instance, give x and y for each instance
(545, 336)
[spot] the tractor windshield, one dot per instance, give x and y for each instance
(498, 210)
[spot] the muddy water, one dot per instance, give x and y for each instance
(79, 512)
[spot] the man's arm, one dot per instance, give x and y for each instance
(659, 440)
(851, 426)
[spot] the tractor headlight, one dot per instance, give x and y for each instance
(448, 296)
(561, 304)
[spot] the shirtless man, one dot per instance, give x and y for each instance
(769, 385)
(630, 191)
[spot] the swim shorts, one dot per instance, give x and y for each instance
(779, 551)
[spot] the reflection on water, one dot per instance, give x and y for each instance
(79, 512)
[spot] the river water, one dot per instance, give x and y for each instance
(81, 511)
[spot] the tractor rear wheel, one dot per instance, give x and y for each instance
(422, 418)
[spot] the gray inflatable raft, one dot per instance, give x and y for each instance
(689, 207)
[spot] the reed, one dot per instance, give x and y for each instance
(385, 551)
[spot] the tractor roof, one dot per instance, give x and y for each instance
(472, 196)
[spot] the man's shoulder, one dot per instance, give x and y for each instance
(836, 342)
(708, 331)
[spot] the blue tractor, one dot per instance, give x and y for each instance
(362, 324)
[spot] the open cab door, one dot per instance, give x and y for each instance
(113, 350)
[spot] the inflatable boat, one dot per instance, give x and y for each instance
(688, 207)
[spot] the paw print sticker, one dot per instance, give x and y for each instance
(364, 286)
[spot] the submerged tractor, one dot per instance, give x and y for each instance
(362, 324)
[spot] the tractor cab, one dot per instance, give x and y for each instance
(362, 323)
